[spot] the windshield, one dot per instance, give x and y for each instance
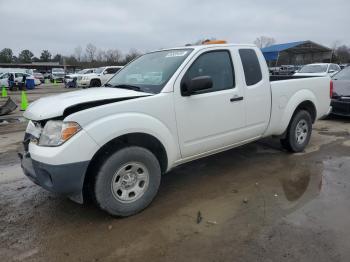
(150, 72)
(343, 74)
(314, 69)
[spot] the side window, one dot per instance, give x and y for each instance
(251, 66)
(18, 75)
(217, 65)
(334, 67)
(112, 70)
(5, 76)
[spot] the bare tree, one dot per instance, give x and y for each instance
(90, 52)
(334, 47)
(342, 54)
(133, 53)
(113, 56)
(78, 53)
(264, 41)
(101, 56)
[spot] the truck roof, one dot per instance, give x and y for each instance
(205, 46)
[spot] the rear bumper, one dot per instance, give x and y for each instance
(67, 179)
(340, 107)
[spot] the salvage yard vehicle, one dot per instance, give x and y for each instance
(39, 76)
(57, 74)
(114, 142)
(18, 77)
(320, 69)
(341, 93)
(79, 74)
(99, 77)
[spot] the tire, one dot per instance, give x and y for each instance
(298, 132)
(95, 83)
(121, 186)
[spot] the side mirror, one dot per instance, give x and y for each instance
(196, 84)
(331, 71)
(105, 72)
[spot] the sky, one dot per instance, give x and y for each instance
(62, 25)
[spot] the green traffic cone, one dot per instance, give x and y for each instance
(3, 91)
(24, 101)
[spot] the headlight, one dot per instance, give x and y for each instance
(85, 78)
(55, 132)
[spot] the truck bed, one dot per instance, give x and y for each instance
(287, 92)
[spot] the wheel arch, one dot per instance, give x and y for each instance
(308, 106)
(131, 139)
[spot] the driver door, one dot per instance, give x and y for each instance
(210, 119)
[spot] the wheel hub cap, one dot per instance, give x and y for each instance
(130, 182)
(301, 131)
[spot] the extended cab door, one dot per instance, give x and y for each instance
(257, 91)
(214, 118)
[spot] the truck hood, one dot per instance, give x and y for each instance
(55, 106)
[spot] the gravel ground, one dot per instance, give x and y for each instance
(257, 203)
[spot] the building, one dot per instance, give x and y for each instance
(39, 66)
(297, 53)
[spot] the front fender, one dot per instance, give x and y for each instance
(110, 127)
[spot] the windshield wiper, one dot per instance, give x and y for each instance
(130, 87)
(107, 85)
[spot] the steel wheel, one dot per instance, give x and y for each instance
(130, 182)
(301, 131)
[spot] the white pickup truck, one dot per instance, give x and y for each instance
(164, 109)
(98, 77)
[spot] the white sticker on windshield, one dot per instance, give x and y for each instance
(176, 53)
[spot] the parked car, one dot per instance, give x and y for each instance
(57, 74)
(39, 76)
(114, 142)
(99, 77)
(18, 76)
(287, 70)
(80, 73)
(321, 69)
(341, 93)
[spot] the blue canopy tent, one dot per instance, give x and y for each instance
(296, 53)
(271, 52)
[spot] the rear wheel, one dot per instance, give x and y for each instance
(127, 181)
(298, 132)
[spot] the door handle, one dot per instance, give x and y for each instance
(236, 98)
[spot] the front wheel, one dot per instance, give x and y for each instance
(127, 181)
(298, 132)
(95, 83)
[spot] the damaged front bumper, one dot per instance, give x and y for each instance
(67, 179)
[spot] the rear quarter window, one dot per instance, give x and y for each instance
(251, 66)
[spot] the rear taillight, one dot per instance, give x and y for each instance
(331, 89)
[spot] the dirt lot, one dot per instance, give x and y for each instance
(257, 203)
